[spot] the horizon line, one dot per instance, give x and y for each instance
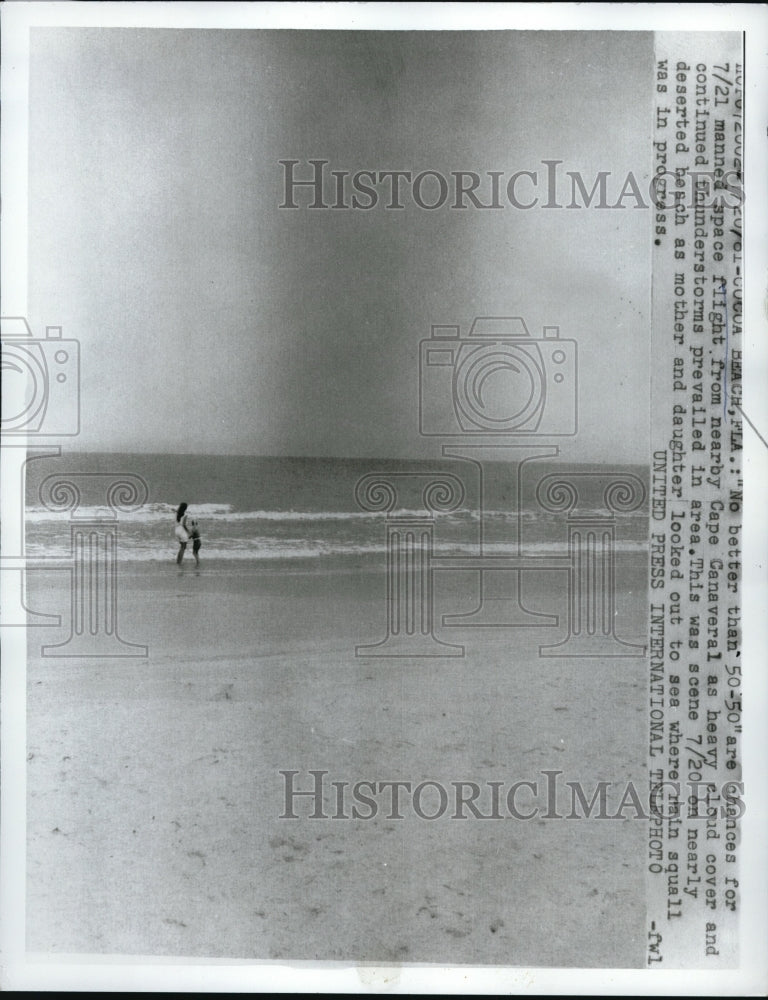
(350, 458)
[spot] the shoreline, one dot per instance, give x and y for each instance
(636, 555)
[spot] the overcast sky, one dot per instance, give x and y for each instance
(211, 320)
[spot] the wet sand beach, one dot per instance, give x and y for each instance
(155, 793)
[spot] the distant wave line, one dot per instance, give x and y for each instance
(222, 513)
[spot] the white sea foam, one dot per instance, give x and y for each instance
(272, 549)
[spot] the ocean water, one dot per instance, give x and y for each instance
(257, 508)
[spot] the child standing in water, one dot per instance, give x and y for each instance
(187, 530)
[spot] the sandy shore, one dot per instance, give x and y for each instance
(155, 793)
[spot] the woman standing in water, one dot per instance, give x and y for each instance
(187, 530)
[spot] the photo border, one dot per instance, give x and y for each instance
(27, 971)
